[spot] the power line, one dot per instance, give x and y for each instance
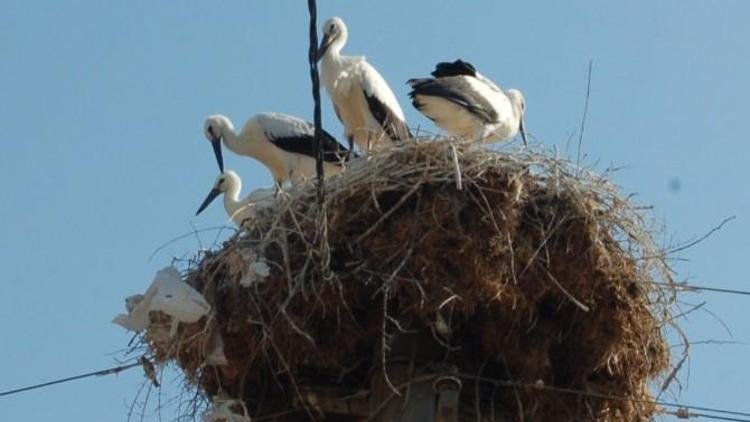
(682, 409)
(685, 414)
(110, 371)
(315, 79)
(690, 287)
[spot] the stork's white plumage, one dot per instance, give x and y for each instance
(283, 143)
(239, 210)
(465, 103)
(363, 101)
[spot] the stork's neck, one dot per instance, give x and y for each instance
(334, 50)
(516, 110)
(331, 65)
(231, 139)
(516, 102)
(232, 201)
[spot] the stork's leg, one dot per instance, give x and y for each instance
(350, 139)
(480, 135)
(277, 187)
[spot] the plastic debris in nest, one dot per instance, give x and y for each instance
(215, 353)
(251, 265)
(167, 294)
(226, 410)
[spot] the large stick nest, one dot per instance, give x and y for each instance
(454, 259)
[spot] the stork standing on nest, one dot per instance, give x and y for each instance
(362, 99)
(465, 103)
(283, 143)
(239, 210)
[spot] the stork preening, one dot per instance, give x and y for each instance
(363, 101)
(239, 210)
(465, 103)
(283, 143)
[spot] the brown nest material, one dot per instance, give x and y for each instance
(528, 284)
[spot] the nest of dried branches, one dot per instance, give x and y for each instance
(530, 287)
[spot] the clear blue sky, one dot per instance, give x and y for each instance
(104, 159)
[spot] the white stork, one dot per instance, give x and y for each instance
(283, 143)
(465, 103)
(362, 99)
(239, 210)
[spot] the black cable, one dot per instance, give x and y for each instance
(688, 415)
(110, 371)
(315, 77)
(542, 386)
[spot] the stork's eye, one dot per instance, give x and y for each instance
(210, 130)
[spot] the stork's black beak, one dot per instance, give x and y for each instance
(523, 133)
(216, 144)
(210, 198)
(324, 44)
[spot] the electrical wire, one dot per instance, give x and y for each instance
(682, 408)
(110, 371)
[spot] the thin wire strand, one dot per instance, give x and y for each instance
(690, 287)
(540, 386)
(110, 371)
(688, 415)
(585, 112)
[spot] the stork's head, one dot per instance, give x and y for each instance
(518, 102)
(334, 36)
(227, 181)
(214, 128)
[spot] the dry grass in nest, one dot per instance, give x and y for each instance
(500, 266)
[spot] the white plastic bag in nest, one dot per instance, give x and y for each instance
(168, 294)
(176, 298)
(225, 410)
(137, 317)
(256, 272)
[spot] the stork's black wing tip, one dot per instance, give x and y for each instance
(456, 68)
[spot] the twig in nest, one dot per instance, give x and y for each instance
(541, 246)
(702, 238)
(685, 313)
(585, 112)
(386, 284)
(457, 167)
(403, 330)
(384, 345)
(672, 374)
(451, 298)
(436, 336)
(393, 209)
(572, 298)
(296, 329)
(291, 379)
(186, 235)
